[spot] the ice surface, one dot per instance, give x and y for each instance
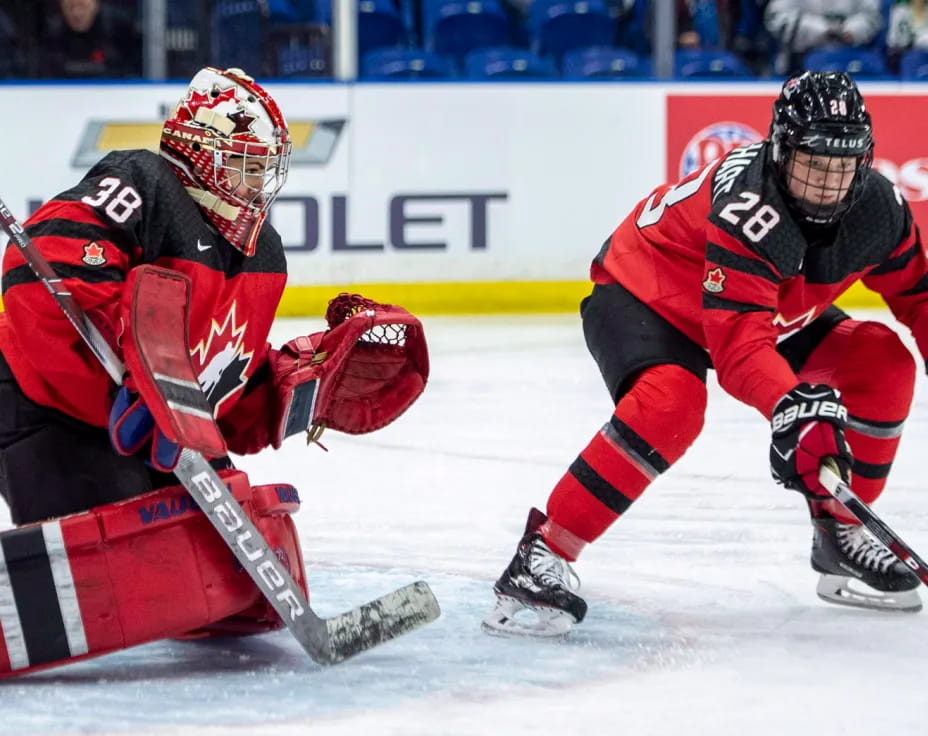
(703, 615)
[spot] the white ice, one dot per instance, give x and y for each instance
(703, 615)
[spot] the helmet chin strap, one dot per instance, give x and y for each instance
(210, 201)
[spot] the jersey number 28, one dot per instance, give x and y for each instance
(758, 224)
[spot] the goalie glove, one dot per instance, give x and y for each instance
(357, 376)
(808, 425)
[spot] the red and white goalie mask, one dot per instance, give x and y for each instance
(229, 144)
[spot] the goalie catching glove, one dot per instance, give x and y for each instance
(357, 376)
(808, 426)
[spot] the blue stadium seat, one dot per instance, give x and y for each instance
(307, 11)
(507, 63)
(457, 27)
(559, 26)
(859, 62)
(238, 39)
(379, 24)
(399, 63)
(914, 64)
(708, 64)
(603, 62)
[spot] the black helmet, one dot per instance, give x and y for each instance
(821, 114)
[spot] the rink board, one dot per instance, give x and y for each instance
(451, 198)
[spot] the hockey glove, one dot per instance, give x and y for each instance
(357, 376)
(132, 426)
(808, 425)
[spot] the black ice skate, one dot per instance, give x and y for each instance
(537, 585)
(858, 570)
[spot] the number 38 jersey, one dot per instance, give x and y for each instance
(719, 256)
(131, 209)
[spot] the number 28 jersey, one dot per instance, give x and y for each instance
(719, 256)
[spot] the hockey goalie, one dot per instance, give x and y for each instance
(171, 259)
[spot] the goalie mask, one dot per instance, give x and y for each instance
(228, 143)
(822, 145)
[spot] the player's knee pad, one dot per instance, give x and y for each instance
(666, 406)
(135, 571)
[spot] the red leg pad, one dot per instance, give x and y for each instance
(127, 573)
(652, 426)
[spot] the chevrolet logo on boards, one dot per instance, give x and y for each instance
(313, 140)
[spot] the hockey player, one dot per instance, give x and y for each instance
(71, 444)
(736, 268)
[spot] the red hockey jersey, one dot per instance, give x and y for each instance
(128, 210)
(719, 256)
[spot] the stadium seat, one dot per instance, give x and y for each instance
(307, 11)
(708, 64)
(399, 63)
(457, 27)
(603, 62)
(238, 35)
(914, 64)
(507, 63)
(379, 24)
(856, 61)
(559, 26)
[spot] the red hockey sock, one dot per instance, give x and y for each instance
(652, 426)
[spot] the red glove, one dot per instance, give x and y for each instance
(808, 426)
(357, 376)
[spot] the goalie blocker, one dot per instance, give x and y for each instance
(136, 571)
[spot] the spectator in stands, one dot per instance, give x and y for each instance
(731, 25)
(86, 39)
(908, 27)
(802, 25)
(11, 60)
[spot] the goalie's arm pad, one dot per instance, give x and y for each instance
(357, 376)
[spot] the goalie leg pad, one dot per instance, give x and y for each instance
(131, 572)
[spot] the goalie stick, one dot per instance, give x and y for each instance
(327, 641)
(829, 477)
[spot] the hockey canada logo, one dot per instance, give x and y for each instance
(714, 281)
(221, 360)
(93, 254)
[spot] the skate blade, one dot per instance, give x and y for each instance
(838, 589)
(513, 617)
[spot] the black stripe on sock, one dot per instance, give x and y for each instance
(35, 594)
(601, 489)
(871, 471)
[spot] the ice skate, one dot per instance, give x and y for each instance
(858, 570)
(534, 594)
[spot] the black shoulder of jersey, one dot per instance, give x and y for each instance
(879, 220)
(870, 231)
(747, 204)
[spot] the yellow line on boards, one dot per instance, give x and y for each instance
(485, 297)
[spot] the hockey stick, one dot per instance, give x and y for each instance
(327, 641)
(829, 477)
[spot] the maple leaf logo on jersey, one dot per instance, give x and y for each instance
(93, 254)
(714, 281)
(221, 360)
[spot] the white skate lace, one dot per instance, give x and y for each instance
(550, 569)
(864, 549)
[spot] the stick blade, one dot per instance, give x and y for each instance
(379, 621)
